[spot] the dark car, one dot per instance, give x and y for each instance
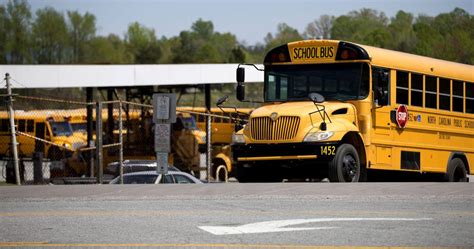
(152, 177)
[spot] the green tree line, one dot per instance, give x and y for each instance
(49, 36)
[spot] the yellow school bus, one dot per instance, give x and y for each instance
(59, 141)
(338, 109)
(138, 137)
(223, 125)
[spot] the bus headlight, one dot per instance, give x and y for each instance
(238, 139)
(318, 136)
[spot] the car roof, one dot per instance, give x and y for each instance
(154, 173)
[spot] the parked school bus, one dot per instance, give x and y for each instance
(138, 137)
(61, 143)
(338, 109)
(223, 125)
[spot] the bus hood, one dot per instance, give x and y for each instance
(293, 121)
(72, 143)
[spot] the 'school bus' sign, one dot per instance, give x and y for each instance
(302, 52)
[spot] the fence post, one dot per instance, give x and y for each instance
(98, 122)
(90, 137)
(207, 90)
(38, 168)
(13, 130)
(120, 142)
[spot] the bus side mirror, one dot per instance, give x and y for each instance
(240, 75)
(240, 91)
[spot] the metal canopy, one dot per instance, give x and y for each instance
(65, 76)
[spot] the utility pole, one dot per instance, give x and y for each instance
(13, 130)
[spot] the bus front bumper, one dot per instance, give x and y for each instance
(246, 153)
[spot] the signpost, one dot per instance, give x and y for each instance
(164, 113)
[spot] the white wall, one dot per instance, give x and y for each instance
(63, 76)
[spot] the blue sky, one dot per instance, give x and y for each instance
(249, 20)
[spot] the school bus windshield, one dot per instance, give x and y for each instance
(189, 123)
(79, 127)
(342, 81)
(61, 128)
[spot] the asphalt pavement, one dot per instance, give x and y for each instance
(233, 215)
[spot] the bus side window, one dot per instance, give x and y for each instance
(22, 125)
(431, 91)
(402, 87)
(444, 94)
(458, 96)
(4, 125)
(381, 86)
(469, 97)
(416, 89)
(201, 118)
(30, 125)
(218, 119)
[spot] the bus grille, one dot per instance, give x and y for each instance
(283, 128)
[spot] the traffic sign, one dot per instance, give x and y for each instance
(162, 137)
(164, 108)
(402, 116)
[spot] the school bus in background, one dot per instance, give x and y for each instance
(338, 109)
(138, 137)
(50, 126)
(223, 125)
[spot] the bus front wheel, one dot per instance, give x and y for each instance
(456, 171)
(345, 166)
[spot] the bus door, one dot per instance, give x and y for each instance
(382, 136)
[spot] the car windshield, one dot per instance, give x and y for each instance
(61, 128)
(341, 81)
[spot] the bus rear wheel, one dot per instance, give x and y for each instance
(345, 166)
(456, 171)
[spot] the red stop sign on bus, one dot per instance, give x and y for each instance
(402, 116)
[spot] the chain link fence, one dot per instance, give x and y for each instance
(54, 146)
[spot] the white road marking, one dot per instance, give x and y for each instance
(280, 225)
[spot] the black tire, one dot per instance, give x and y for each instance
(222, 175)
(456, 171)
(345, 166)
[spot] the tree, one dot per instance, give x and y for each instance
(50, 36)
(18, 18)
(142, 44)
(426, 35)
(203, 45)
(401, 28)
(320, 28)
(82, 30)
(108, 50)
(3, 34)
(366, 26)
(285, 34)
(457, 30)
(204, 29)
